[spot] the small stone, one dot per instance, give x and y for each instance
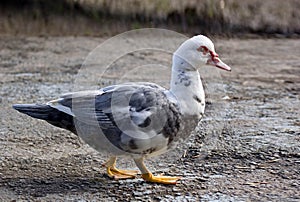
(175, 189)
(226, 97)
(147, 192)
(294, 184)
(137, 193)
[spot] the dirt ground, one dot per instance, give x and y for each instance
(254, 157)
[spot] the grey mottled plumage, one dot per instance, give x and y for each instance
(143, 103)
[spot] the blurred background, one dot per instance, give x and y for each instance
(266, 18)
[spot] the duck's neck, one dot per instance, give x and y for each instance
(186, 85)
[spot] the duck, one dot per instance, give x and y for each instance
(137, 119)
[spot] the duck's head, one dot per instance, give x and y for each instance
(197, 51)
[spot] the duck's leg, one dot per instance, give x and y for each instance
(115, 173)
(148, 176)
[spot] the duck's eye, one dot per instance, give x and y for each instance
(203, 49)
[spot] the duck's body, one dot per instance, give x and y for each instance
(136, 119)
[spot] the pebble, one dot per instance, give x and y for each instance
(137, 193)
(147, 192)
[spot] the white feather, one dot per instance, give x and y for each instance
(56, 105)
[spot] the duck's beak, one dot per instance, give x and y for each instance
(218, 63)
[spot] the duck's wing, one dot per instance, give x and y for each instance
(123, 113)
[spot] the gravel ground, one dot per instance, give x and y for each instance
(253, 156)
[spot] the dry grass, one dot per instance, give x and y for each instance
(107, 17)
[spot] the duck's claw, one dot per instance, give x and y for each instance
(149, 177)
(117, 174)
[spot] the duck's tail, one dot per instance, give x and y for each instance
(39, 111)
(47, 113)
